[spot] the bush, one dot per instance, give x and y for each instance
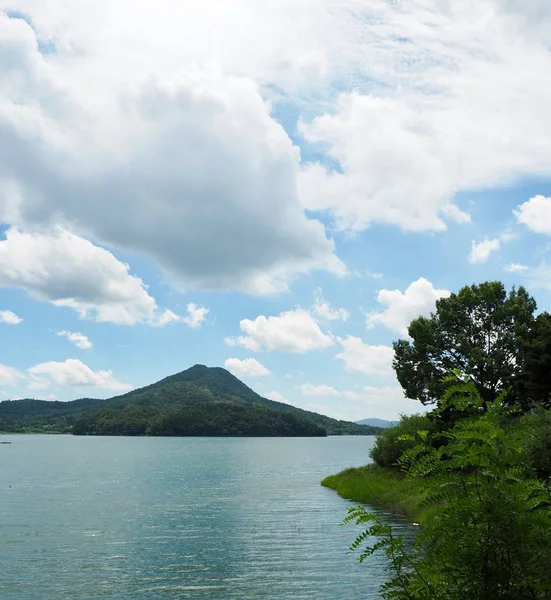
(488, 536)
(388, 447)
(537, 430)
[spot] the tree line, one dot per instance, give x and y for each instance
(481, 455)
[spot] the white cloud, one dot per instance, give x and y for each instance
(291, 331)
(309, 389)
(248, 367)
(419, 299)
(385, 402)
(359, 357)
(535, 214)
(276, 397)
(196, 315)
(70, 271)
(177, 160)
(516, 268)
(9, 375)
(324, 310)
(480, 251)
(74, 373)
(78, 339)
(422, 124)
(538, 277)
(9, 318)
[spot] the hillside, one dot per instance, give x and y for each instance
(199, 401)
(374, 422)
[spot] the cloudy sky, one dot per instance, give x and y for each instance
(278, 187)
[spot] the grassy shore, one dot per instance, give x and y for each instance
(380, 488)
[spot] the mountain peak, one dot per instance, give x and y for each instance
(217, 380)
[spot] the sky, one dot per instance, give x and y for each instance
(275, 187)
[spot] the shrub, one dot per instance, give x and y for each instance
(389, 447)
(537, 434)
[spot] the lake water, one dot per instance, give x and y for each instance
(145, 518)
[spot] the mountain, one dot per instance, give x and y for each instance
(383, 423)
(199, 401)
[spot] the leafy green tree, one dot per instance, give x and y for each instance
(479, 331)
(535, 432)
(488, 536)
(535, 379)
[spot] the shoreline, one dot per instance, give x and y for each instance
(379, 488)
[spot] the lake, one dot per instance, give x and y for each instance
(145, 518)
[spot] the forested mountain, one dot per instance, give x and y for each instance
(377, 422)
(199, 401)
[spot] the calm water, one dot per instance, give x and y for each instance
(139, 518)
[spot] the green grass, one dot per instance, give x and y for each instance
(380, 488)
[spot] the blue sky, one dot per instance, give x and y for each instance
(276, 188)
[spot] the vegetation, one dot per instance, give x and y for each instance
(198, 401)
(489, 532)
(535, 379)
(209, 418)
(393, 442)
(475, 471)
(380, 488)
(480, 331)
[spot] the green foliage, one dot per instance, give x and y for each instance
(391, 444)
(380, 487)
(489, 533)
(536, 436)
(199, 401)
(202, 419)
(21, 416)
(479, 332)
(535, 380)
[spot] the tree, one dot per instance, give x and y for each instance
(479, 332)
(535, 379)
(488, 534)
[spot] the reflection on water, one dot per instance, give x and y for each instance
(131, 518)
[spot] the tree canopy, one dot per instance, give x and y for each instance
(535, 379)
(488, 533)
(480, 331)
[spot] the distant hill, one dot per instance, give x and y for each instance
(383, 423)
(199, 401)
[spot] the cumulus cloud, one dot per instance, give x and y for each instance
(291, 331)
(421, 124)
(277, 397)
(538, 277)
(78, 339)
(9, 375)
(419, 299)
(196, 315)
(516, 268)
(9, 318)
(535, 214)
(248, 367)
(309, 389)
(360, 357)
(324, 310)
(70, 271)
(415, 122)
(74, 373)
(480, 251)
(181, 163)
(385, 402)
